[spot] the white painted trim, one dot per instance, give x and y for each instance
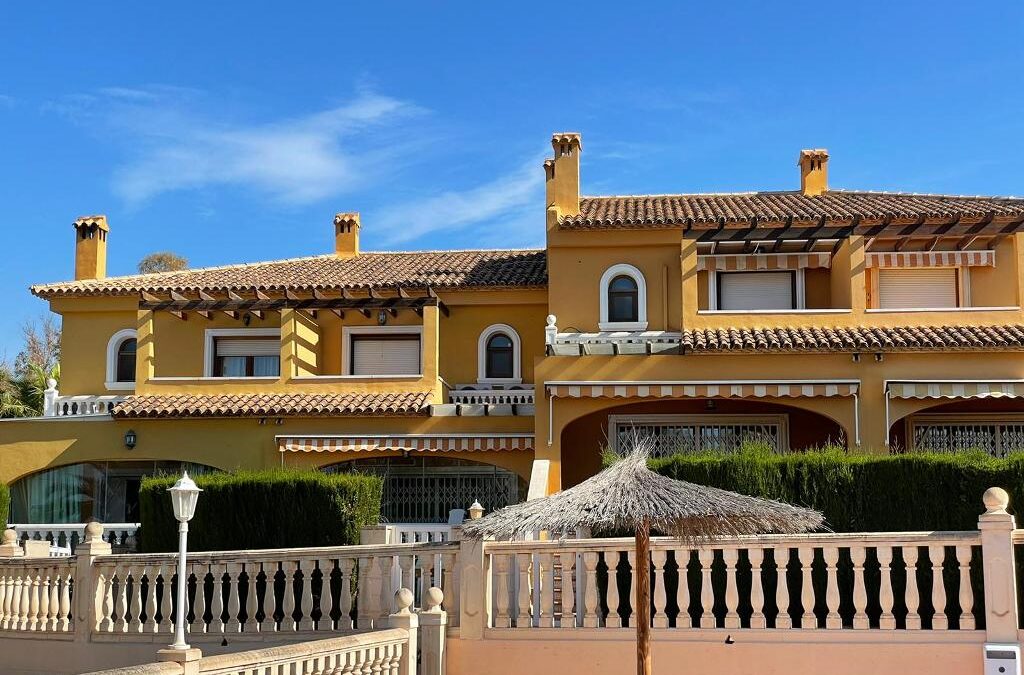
(346, 348)
(208, 351)
(712, 292)
(355, 378)
(964, 279)
(481, 355)
(774, 311)
(641, 298)
(184, 378)
(112, 346)
(942, 309)
(801, 288)
(629, 383)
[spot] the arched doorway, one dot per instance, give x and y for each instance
(686, 426)
(426, 489)
(991, 425)
(75, 493)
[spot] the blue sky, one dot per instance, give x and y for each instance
(232, 132)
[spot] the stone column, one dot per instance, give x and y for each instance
(405, 619)
(86, 581)
(997, 527)
(474, 589)
(433, 627)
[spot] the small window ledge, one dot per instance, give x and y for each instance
(622, 325)
(269, 378)
(353, 378)
(772, 311)
(940, 309)
(119, 386)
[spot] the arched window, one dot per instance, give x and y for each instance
(121, 360)
(623, 299)
(498, 358)
(125, 369)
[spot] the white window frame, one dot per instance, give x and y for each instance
(210, 353)
(799, 280)
(346, 347)
(702, 419)
(623, 269)
(112, 346)
(481, 352)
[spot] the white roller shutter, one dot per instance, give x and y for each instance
(248, 347)
(755, 290)
(394, 355)
(916, 288)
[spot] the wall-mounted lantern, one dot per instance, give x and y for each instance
(130, 439)
(382, 317)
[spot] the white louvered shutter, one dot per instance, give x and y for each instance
(916, 288)
(756, 290)
(248, 347)
(386, 356)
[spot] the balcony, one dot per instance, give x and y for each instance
(55, 405)
(478, 400)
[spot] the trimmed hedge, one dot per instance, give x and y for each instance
(862, 492)
(5, 502)
(263, 509)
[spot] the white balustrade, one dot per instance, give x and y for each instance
(64, 537)
(470, 396)
(760, 583)
(35, 595)
(81, 406)
(307, 590)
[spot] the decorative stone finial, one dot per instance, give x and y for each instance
(51, 384)
(403, 600)
(93, 531)
(551, 319)
(10, 537)
(434, 598)
(996, 500)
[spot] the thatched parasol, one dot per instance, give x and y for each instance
(629, 496)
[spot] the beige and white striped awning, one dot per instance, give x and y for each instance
(931, 259)
(704, 390)
(762, 261)
(407, 443)
(956, 389)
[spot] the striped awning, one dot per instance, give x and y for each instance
(763, 261)
(952, 389)
(406, 443)
(704, 390)
(931, 259)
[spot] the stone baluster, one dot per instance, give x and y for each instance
(858, 554)
(199, 605)
(913, 595)
(217, 623)
(366, 598)
(64, 623)
(252, 573)
(152, 576)
(684, 620)
(387, 594)
(121, 619)
(964, 554)
(15, 610)
(590, 603)
(307, 567)
(832, 620)
(503, 590)
(33, 599)
(524, 617)
(325, 605)
(937, 558)
(612, 559)
(135, 623)
(757, 600)
(567, 619)
(659, 618)
(450, 586)
(546, 578)
(407, 564)
(346, 566)
(808, 621)
(234, 624)
(106, 613)
(732, 617)
(886, 620)
(5, 599)
(288, 624)
(53, 604)
(706, 556)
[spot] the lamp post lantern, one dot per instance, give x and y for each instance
(184, 496)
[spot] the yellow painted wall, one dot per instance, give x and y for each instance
(87, 325)
(997, 286)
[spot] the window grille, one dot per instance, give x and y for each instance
(678, 434)
(996, 437)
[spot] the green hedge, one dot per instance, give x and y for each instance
(263, 509)
(5, 502)
(862, 492)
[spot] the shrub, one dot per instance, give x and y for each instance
(5, 502)
(862, 492)
(263, 509)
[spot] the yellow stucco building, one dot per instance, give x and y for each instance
(882, 321)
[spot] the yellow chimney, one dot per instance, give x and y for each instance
(91, 247)
(563, 174)
(813, 171)
(346, 235)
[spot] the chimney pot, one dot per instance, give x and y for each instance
(346, 234)
(813, 171)
(563, 176)
(91, 247)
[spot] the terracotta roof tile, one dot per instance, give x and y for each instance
(436, 269)
(855, 339)
(272, 405)
(836, 206)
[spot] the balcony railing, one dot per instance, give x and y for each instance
(466, 394)
(55, 405)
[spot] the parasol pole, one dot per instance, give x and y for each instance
(643, 598)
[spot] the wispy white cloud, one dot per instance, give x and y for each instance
(510, 205)
(172, 143)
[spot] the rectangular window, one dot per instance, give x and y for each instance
(917, 288)
(246, 357)
(757, 290)
(385, 354)
(688, 434)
